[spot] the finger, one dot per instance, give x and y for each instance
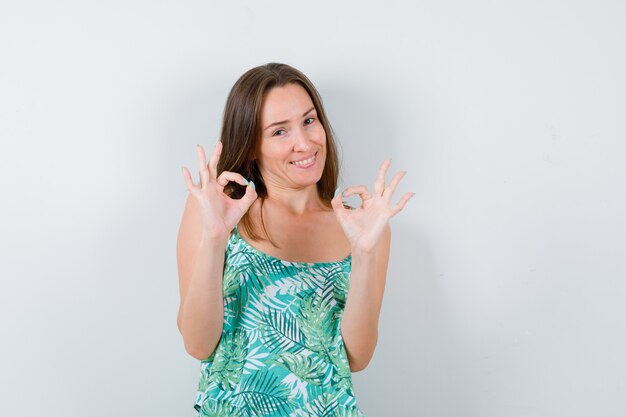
(227, 176)
(249, 197)
(393, 184)
(215, 157)
(379, 184)
(339, 208)
(396, 209)
(204, 173)
(188, 179)
(359, 190)
(336, 202)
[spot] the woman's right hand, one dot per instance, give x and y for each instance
(220, 213)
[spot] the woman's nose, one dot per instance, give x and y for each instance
(301, 141)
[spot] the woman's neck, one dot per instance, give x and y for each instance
(295, 201)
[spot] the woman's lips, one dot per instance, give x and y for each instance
(305, 163)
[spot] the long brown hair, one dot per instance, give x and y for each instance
(241, 132)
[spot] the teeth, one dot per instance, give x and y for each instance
(305, 162)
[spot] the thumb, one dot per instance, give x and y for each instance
(336, 203)
(249, 197)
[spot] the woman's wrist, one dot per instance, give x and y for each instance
(361, 251)
(362, 247)
(214, 238)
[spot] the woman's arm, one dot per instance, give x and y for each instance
(209, 217)
(359, 324)
(200, 268)
(367, 229)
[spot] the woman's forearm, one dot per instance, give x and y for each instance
(201, 316)
(359, 323)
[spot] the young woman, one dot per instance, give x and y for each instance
(281, 284)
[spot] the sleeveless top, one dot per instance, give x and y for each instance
(281, 352)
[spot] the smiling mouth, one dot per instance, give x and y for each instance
(305, 162)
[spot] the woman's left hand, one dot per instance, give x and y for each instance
(364, 225)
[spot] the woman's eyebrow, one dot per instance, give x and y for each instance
(285, 121)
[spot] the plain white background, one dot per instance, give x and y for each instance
(506, 286)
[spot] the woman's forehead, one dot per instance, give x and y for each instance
(285, 103)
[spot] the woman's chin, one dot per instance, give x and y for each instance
(307, 178)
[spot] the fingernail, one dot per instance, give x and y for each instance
(245, 181)
(336, 192)
(252, 185)
(343, 194)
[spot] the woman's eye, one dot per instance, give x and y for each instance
(306, 121)
(279, 130)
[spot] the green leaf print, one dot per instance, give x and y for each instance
(324, 405)
(204, 382)
(212, 408)
(315, 321)
(342, 285)
(262, 394)
(342, 376)
(251, 279)
(281, 353)
(229, 359)
(232, 304)
(304, 367)
(279, 331)
(230, 282)
(347, 412)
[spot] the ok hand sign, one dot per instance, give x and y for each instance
(220, 213)
(364, 225)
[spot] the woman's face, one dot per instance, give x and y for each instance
(292, 148)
